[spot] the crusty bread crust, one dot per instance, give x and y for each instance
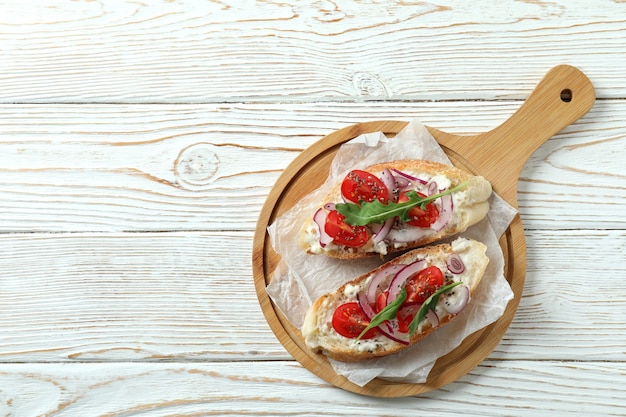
(468, 209)
(321, 337)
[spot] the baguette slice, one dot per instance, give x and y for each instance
(469, 206)
(320, 335)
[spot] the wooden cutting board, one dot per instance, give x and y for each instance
(563, 96)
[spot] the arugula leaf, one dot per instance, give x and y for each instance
(429, 304)
(388, 313)
(376, 212)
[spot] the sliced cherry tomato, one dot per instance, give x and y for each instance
(362, 186)
(419, 217)
(423, 284)
(405, 316)
(349, 321)
(344, 233)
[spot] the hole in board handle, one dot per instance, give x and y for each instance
(566, 95)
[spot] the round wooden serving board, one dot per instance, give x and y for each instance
(563, 96)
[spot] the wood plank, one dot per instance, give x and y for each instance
(259, 51)
(563, 295)
(184, 167)
(131, 296)
(190, 296)
(515, 388)
(99, 321)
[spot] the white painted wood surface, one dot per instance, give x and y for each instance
(138, 142)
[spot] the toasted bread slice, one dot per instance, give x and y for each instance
(321, 336)
(467, 207)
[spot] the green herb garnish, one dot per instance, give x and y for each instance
(388, 313)
(429, 304)
(376, 212)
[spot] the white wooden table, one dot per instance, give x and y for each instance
(139, 140)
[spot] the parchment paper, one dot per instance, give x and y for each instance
(301, 278)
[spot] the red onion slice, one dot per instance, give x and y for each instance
(403, 183)
(395, 336)
(432, 188)
(365, 305)
(400, 278)
(379, 278)
(414, 308)
(329, 206)
(445, 214)
(433, 318)
(409, 177)
(384, 231)
(387, 178)
(366, 308)
(320, 220)
(456, 300)
(455, 264)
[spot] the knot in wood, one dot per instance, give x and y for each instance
(369, 85)
(197, 164)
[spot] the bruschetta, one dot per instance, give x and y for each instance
(394, 306)
(395, 206)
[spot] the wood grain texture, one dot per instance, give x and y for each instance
(129, 131)
(189, 51)
(153, 168)
(127, 296)
(524, 388)
(176, 296)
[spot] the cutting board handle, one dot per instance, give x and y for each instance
(563, 96)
